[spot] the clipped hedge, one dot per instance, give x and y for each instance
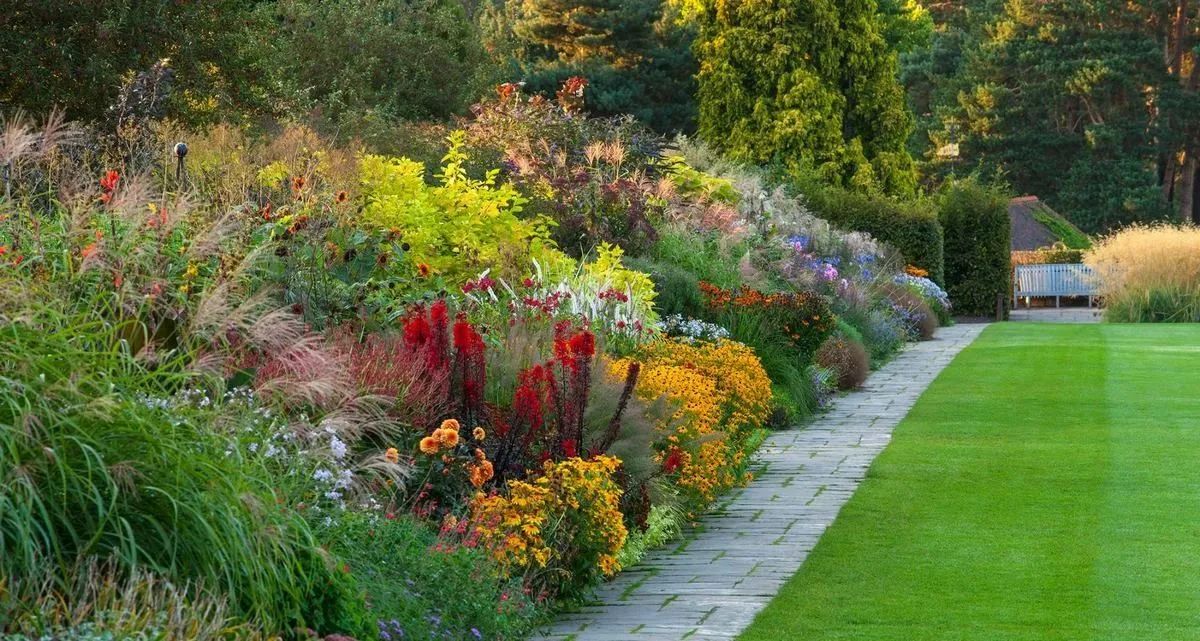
(913, 230)
(978, 237)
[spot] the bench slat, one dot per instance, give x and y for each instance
(1054, 280)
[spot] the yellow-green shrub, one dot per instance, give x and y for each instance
(1149, 274)
(458, 227)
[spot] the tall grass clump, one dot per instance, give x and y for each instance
(93, 466)
(1149, 274)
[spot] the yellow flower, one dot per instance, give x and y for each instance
(429, 445)
(479, 434)
(392, 455)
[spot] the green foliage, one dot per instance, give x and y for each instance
(75, 55)
(375, 59)
(791, 81)
(708, 258)
(459, 227)
(662, 525)
(911, 228)
(978, 244)
(1080, 104)
(636, 55)
(678, 289)
(1068, 234)
(105, 473)
(422, 588)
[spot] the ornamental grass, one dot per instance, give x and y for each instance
(1149, 274)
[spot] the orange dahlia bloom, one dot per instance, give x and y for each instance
(430, 445)
(392, 455)
(479, 434)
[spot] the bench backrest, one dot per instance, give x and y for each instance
(1054, 280)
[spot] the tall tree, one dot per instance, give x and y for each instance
(806, 82)
(1091, 105)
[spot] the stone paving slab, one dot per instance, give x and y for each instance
(710, 585)
(1057, 315)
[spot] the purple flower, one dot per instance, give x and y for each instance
(477, 633)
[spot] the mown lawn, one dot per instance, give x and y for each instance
(1046, 487)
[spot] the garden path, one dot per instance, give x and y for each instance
(710, 585)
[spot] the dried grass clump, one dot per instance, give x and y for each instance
(846, 357)
(1149, 274)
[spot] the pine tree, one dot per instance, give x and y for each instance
(806, 83)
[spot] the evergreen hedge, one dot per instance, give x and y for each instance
(913, 230)
(978, 242)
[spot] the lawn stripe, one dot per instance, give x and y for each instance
(1043, 488)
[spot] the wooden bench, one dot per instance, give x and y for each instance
(1053, 280)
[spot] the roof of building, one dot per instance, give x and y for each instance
(1029, 216)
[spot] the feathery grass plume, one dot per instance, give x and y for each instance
(1149, 274)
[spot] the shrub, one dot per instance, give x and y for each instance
(910, 228)
(455, 229)
(420, 586)
(678, 289)
(562, 530)
(936, 297)
(723, 393)
(210, 44)
(374, 59)
(847, 358)
(803, 317)
(1053, 256)
(709, 257)
(1149, 274)
(978, 245)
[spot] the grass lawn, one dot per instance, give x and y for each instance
(1047, 486)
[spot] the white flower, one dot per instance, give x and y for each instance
(337, 447)
(322, 475)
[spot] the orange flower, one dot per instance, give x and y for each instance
(481, 473)
(342, 196)
(479, 434)
(392, 455)
(423, 270)
(449, 437)
(298, 183)
(450, 424)
(89, 250)
(429, 445)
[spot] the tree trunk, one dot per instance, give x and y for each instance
(1167, 177)
(1187, 191)
(1181, 38)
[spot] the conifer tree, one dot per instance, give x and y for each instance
(806, 82)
